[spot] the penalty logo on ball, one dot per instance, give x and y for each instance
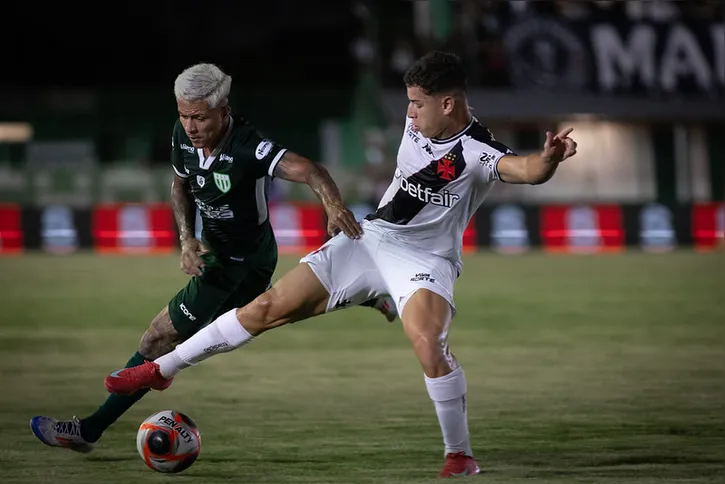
(168, 441)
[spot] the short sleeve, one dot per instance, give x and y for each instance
(177, 160)
(488, 155)
(265, 154)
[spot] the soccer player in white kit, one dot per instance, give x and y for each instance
(410, 248)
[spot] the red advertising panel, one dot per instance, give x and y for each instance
(298, 227)
(470, 237)
(11, 230)
(582, 228)
(708, 224)
(133, 228)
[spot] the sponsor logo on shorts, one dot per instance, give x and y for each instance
(421, 276)
(186, 312)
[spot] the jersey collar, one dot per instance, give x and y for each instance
(455, 136)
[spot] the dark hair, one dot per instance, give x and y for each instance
(437, 72)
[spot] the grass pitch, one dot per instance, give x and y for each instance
(599, 369)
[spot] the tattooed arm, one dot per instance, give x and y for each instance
(296, 168)
(182, 202)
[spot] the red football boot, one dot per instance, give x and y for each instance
(459, 465)
(130, 380)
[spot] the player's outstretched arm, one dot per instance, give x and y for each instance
(182, 202)
(538, 168)
(296, 168)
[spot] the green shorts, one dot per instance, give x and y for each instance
(224, 285)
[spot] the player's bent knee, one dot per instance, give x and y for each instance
(259, 315)
(429, 345)
(297, 296)
(435, 361)
(431, 348)
(426, 336)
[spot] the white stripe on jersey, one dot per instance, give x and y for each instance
(437, 187)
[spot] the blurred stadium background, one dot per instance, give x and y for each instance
(599, 368)
(86, 113)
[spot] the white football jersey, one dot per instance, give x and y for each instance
(437, 187)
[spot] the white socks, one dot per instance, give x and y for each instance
(224, 334)
(449, 397)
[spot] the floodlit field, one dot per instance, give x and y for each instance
(602, 369)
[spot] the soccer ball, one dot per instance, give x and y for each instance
(168, 441)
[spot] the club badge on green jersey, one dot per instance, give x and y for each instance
(222, 181)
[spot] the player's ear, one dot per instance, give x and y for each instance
(226, 111)
(447, 103)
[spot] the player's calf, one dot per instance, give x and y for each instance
(297, 296)
(160, 338)
(426, 321)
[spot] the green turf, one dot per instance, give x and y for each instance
(605, 369)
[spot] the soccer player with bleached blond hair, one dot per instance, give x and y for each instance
(223, 166)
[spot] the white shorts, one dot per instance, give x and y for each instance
(354, 271)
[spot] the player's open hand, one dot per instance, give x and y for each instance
(558, 148)
(191, 252)
(340, 218)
